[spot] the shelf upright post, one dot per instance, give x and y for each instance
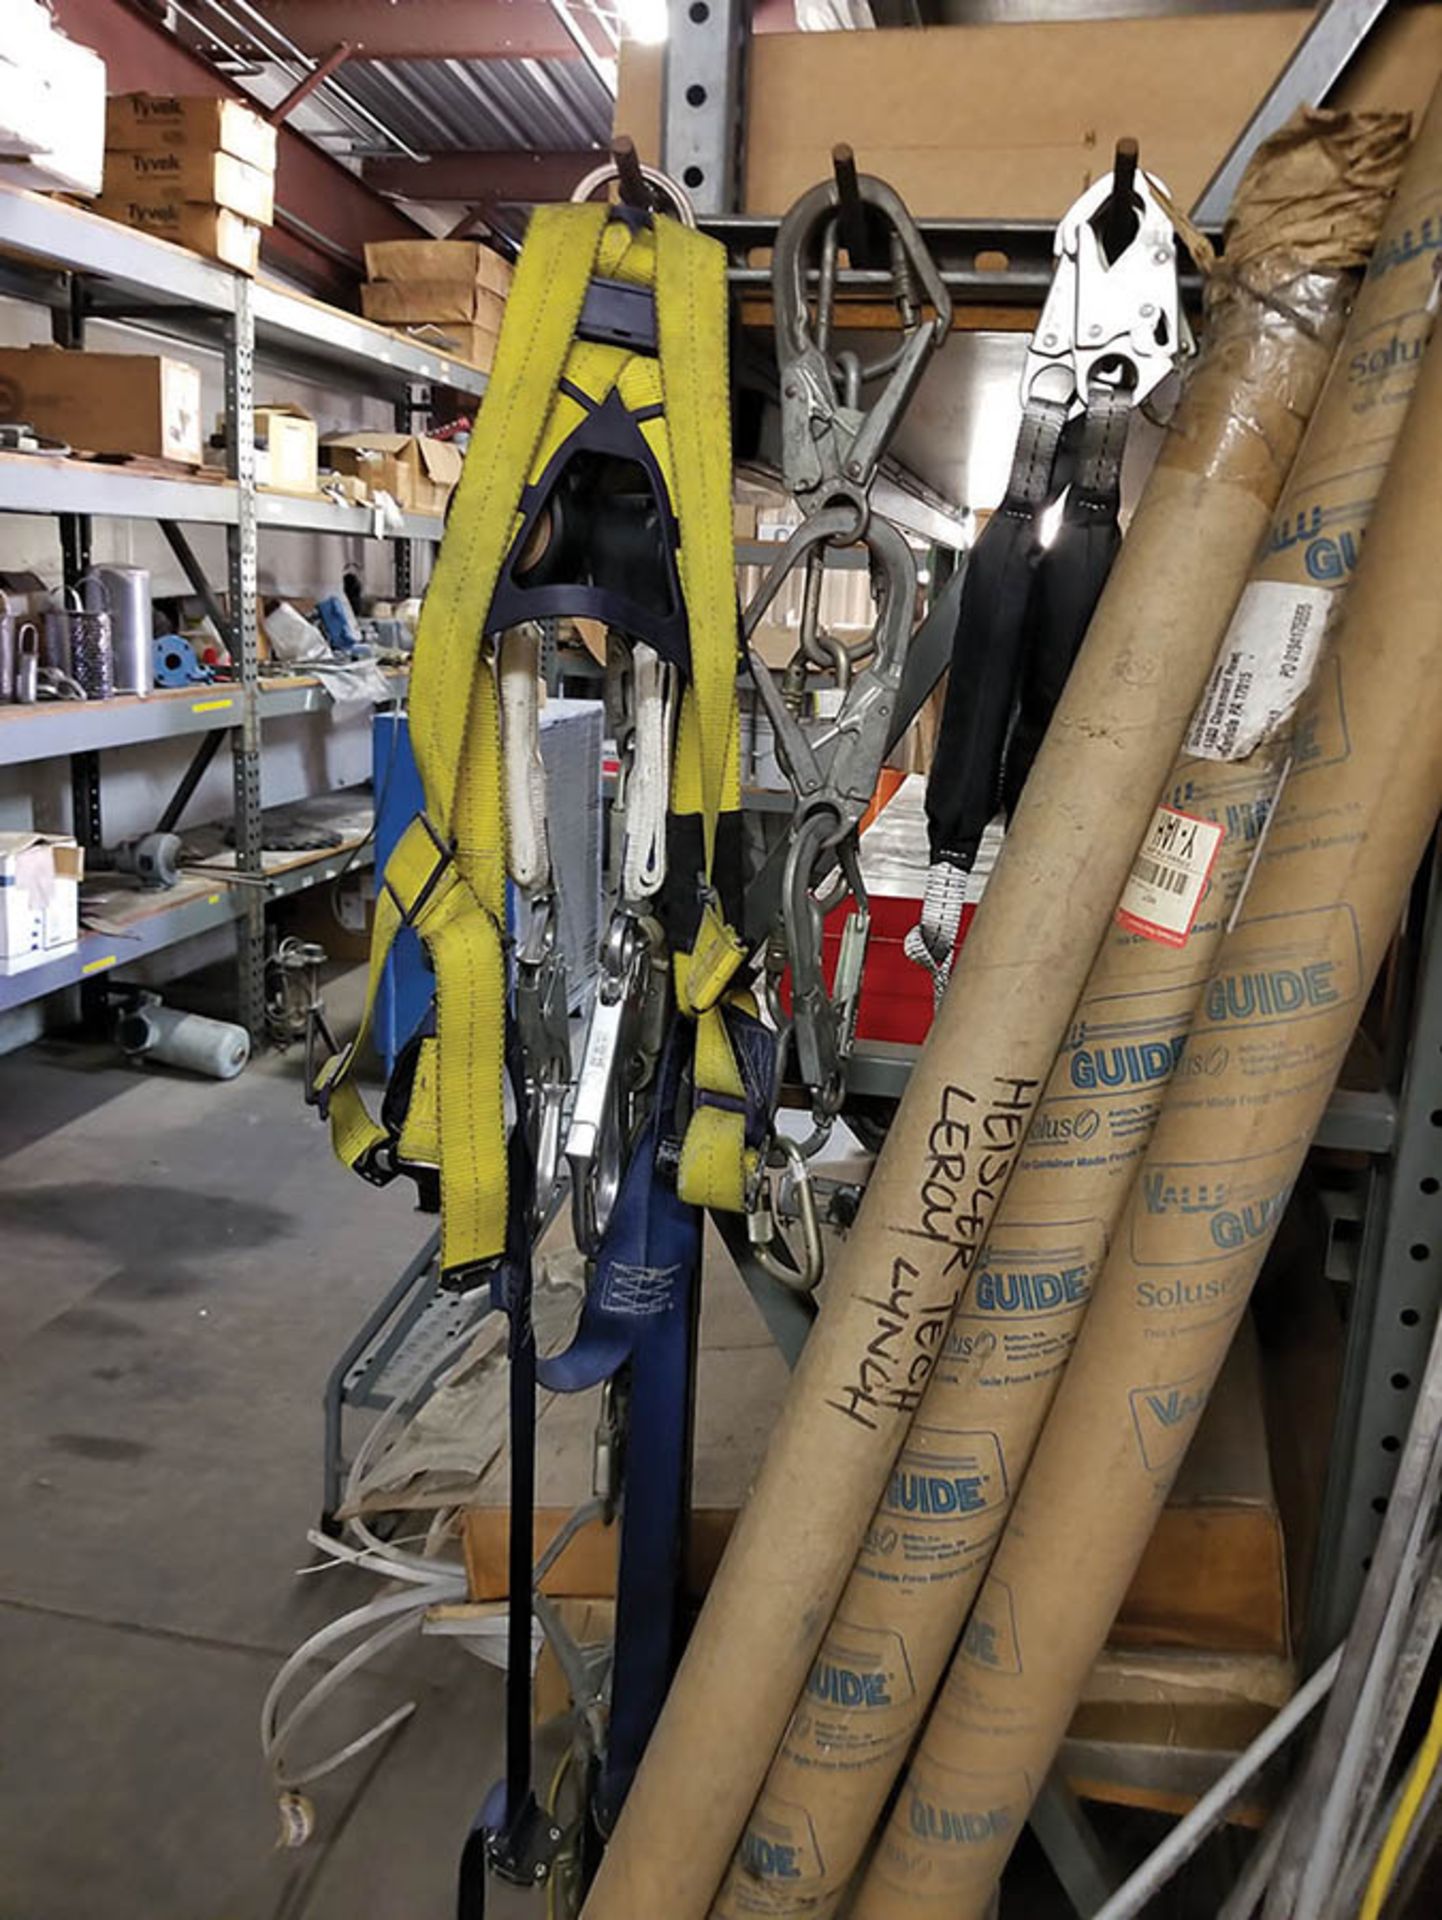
(703, 100)
(241, 542)
(415, 401)
(1392, 1312)
(67, 329)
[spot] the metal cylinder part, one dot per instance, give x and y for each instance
(124, 592)
(27, 665)
(92, 654)
(55, 639)
(12, 628)
(213, 1047)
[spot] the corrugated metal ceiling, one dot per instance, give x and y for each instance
(526, 105)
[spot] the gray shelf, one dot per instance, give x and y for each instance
(299, 514)
(35, 483)
(295, 328)
(135, 266)
(100, 953)
(136, 270)
(60, 727)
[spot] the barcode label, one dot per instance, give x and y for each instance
(1169, 877)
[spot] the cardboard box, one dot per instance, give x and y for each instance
(53, 99)
(40, 876)
(215, 231)
(138, 403)
(1154, 1730)
(176, 175)
(475, 345)
(417, 472)
(449, 260)
(153, 122)
(288, 439)
(408, 303)
(1015, 120)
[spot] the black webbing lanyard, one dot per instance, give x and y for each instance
(1024, 612)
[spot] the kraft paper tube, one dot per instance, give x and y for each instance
(936, 1526)
(1276, 1017)
(890, 1296)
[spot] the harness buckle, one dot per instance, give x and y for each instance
(617, 1062)
(445, 858)
(318, 1035)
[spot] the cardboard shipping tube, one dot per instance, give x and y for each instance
(938, 1523)
(889, 1299)
(1277, 1016)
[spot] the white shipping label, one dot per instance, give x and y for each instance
(1169, 877)
(1263, 668)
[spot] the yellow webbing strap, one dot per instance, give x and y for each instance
(457, 1108)
(455, 1115)
(691, 324)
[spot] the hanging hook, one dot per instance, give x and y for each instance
(1115, 224)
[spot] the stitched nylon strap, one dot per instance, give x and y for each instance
(1024, 613)
(447, 875)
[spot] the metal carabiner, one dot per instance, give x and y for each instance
(762, 1230)
(833, 766)
(831, 446)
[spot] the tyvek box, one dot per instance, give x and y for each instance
(40, 877)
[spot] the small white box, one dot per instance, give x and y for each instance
(71, 81)
(40, 877)
(27, 111)
(27, 26)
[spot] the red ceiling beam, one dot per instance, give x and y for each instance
(481, 177)
(315, 191)
(426, 29)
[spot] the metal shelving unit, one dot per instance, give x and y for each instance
(207, 903)
(61, 727)
(83, 267)
(30, 483)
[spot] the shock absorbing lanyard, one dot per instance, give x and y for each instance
(1109, 332)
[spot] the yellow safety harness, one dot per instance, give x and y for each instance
(447, 875)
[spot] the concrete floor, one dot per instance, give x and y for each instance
(182, 1261)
